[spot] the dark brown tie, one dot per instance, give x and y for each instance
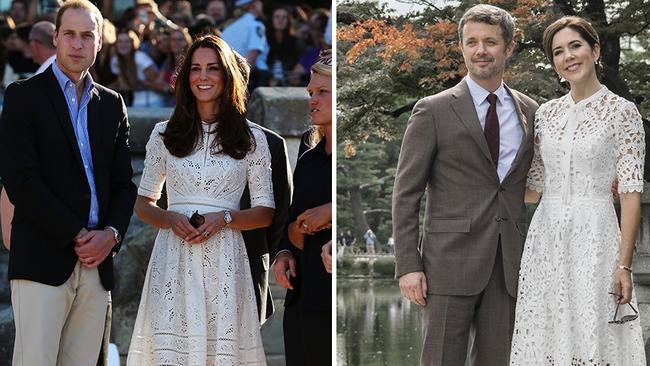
(491, 130)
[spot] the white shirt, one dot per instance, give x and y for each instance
(511, 132)
(248, 34)
(46, 64)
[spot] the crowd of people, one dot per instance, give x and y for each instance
(142, 45)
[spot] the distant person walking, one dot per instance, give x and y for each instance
(370, 239)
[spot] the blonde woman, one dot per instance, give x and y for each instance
(307, 314)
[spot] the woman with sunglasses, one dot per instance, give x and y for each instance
(576, 268)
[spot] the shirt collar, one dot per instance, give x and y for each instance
(63, 79)
(479, 94)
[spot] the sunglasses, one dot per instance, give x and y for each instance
(626, 318)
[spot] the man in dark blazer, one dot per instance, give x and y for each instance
(470, 148)
(261, 244)
(65, 162)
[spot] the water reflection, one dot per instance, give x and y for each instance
(374, 325)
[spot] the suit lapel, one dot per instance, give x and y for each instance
(463, 106)
(61, 107)
(95, 130)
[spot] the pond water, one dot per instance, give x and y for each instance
(375, 327)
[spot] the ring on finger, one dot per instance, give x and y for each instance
(304, 224)
(206, 234)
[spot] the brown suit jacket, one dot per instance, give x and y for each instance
(445, 153)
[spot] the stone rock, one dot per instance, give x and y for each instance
(7, 332)
(284, 110)
(130, 270)
(142, 121)
(5, 290)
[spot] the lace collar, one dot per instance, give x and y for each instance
(587, 100)
(208, 126)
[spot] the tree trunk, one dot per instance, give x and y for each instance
(360, 222)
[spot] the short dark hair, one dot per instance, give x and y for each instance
(80, 4)
(492, 15)
(23, 2)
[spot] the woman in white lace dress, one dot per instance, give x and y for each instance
(198, 305)
(575, 255)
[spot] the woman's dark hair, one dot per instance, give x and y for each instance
(126, 63)
(184, 130)
(285, 49)
(580, 26)
(321, 17)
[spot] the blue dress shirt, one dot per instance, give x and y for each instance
(79, 117)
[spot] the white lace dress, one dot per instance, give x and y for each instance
(572, 246)
(198, 306)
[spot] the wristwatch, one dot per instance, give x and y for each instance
(227, 217)
(116, 234)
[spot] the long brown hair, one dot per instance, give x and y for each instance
(126, 63)
(184, 129)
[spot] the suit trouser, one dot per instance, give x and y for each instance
(448, 321)
(307, 336)
(59, 325)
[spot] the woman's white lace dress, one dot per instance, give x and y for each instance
(572, 247)
(198, 306)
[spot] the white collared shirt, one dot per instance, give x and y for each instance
(510, 129)
(248, 34)
(46, 64)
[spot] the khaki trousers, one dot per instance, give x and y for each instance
(59, 325)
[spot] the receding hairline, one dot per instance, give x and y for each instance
(491, 15)
(83, 5)
(500, 36)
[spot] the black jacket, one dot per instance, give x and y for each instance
(43, 173)
(312, 182)
(261, 244)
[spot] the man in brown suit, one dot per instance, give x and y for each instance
(470, 148)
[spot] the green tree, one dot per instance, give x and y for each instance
(386, 62)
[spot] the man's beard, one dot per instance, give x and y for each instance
(487, 73)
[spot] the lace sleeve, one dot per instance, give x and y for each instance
(155, 170)
(535, 179)
(631, 150)
(260, 183)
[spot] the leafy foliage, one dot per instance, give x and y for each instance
(388, 61)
